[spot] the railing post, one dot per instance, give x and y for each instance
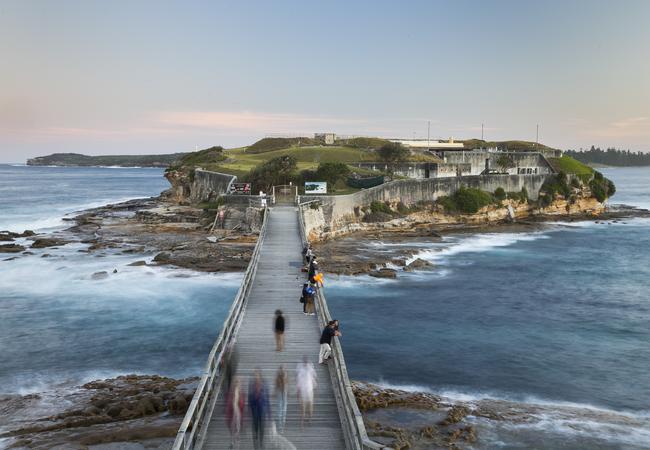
(351, 418)
(208, 389)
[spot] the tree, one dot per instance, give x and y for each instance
(276, 171)
(393, 152)
(332, 172)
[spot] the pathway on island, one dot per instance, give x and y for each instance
(277, 285)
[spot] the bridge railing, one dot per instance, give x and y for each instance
(194, 425)
(354, 429)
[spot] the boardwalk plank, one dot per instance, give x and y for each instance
(277, 285)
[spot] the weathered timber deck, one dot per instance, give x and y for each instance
(277, 285)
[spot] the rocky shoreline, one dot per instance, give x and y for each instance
(387, 251)
(130, 411)
(137, 412)
(162, 232)
(421, 420)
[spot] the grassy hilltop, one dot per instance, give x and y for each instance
(280, 160)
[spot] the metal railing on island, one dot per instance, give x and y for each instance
(194, 426)
(354, 428)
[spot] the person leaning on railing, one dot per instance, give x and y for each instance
(330, 331)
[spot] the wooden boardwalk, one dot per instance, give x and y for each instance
(277, 285)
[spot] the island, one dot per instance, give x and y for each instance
(79, 160)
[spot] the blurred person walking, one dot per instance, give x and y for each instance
(305, 385)
(235, 412)
(281, 394)
(258, 402)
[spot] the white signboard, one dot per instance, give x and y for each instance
(315, 187)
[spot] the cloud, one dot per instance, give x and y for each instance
(630, 127)
(250, 121)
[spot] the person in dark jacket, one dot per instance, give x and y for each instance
(326, 341)
(279, 331)
(313, 269)
(258, 402)
(308, 293)
(307, 298)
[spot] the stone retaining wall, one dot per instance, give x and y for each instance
(208, 186)
(339, 210)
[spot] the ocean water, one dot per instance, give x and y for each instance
(557, 321)
(39, 197)
(59, 327)
(558, 317)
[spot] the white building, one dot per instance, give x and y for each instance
(429, 144)
(327, 138)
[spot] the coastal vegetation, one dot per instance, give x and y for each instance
(610, 157)
(393, 152)
(510, 146)
(271, 144)
(302, 161)
(466, 200)
(569, 165)
(569, 187)
(368, 143)
(210, 155)
(77, 159)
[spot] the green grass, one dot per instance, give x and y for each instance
(270, 144)
(513, 146)
(208, 156)
(362, 142)
(308, 157)
(567, 164)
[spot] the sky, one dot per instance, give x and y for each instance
(145, 77)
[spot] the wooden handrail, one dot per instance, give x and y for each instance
(193, 427)
(354, 429)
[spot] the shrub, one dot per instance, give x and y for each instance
(403, 209)
(524, 194)
(276, 171)
(332, 172)
(470, 200)
(521, 196)
(556, 184)
(447, 203)
(380, 207)
(466, 200)
(611, 188)
(377, 217)
(308, 175)
(598, 190)
(601, 187)
(500, 194)
(393, 152)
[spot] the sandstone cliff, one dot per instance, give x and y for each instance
(321, 226)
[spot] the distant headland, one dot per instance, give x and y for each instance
(77, 159)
